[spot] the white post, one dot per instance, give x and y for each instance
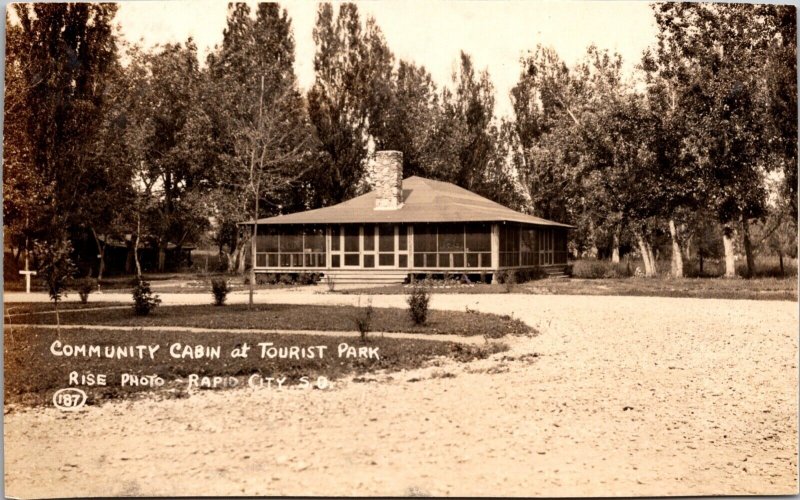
(495, 251)
(27, 272)
(328, 247)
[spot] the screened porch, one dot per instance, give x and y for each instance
(421, 247)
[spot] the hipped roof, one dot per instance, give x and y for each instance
(424, 200)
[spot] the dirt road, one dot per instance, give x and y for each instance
(617, 396)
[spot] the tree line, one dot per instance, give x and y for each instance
(105, 140)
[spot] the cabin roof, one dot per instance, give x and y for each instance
(424, 200)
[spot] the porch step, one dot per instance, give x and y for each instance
(366, 278)
(555, 271)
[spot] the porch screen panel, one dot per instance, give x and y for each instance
(290, 247)
(478, 245)
(424, 245)
(291, 244)
(386, 245)
(266, 244)
(509, 245)
(528, 247)
(457, 246)
(451, 245)
(314, 247)
(352, 246)
(561, 246)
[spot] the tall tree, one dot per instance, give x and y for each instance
(264, 138)
(59, 60)
(410, 120)
(705, 53)
(348, 101)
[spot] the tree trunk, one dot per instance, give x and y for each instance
(727, 243)
(253, 256)
(677, 253)
(162, 257)
(615, 246)
(780, 260)
(136, 247)
(748, 247)
(653, 267)
(101, 252)
(647, 257)
(701, 263)
(58, 321)
(236, 260)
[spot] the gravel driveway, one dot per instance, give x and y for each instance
(617, 396)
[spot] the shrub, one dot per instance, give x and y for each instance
(510, 280)
(525, 275)
(330, 281)
(55, 268)
(85, 286)
(286, 279)
(363, 319)
(144, 301)
(418, 301)
(500, 276)
(598, 269)
(307, 278)
(220, 289)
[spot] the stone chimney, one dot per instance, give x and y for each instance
(388, 180)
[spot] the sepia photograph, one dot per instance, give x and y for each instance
(429, 248)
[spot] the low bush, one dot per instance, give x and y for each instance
(286, 279)
(330, 281)
(307, 278)
(599, 269)
(144, 300)
(363, 319)
(510, 280)
(220, 289)
(85, 286)
(418, 302)
(769, 267)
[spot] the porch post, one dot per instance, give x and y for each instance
(495, 251)
(328, 246)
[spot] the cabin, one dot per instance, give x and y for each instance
(408, 227)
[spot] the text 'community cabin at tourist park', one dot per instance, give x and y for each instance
(403, 227)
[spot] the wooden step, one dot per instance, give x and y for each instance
(366, 277)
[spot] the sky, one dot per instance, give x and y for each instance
(496, 33)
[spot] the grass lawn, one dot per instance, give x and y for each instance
(281, 317)
(33, 373)
(707, 288)
(159, 282)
